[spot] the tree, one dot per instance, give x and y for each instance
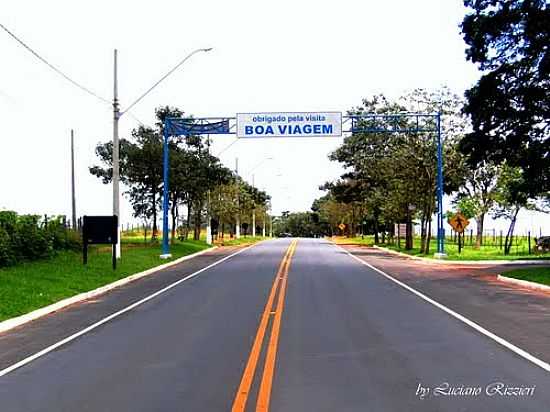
(510, 104)
(396, 172)
(140, 169)
(511, 196)
(300, 224)
(194, 172)
(476, 195)
(224, 204)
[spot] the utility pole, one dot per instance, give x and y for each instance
(238, 217)
(73, 216)
(116, 167)
(116, 171)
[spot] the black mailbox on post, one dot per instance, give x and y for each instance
(99, 230)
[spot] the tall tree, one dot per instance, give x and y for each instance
(193, 171)
(510, 104)
(397, 171)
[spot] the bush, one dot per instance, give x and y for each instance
(26, 237)
(62, 237)
(6, 257)
(34, 241)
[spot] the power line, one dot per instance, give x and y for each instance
(227, 147)
(51, 66)
(58, 71)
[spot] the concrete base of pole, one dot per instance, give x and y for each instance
(166, 256)
(253, 224)
(117, 247)
(440, 256)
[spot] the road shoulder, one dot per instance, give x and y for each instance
(517, 314)
(12, 323)
(31, 337)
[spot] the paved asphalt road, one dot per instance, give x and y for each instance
(290, 327)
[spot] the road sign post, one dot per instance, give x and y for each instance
(100, 230)
(459, 224)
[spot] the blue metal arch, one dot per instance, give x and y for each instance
(359, 123)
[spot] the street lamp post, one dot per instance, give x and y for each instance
(117, 114)
(254, 186)
(116, 147)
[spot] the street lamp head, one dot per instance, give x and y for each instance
(207, 50)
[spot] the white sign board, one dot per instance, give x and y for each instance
(298, 124)
(400, 229)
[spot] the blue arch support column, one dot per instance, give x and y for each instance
(175, 127)
(440, 229)
(165, 191)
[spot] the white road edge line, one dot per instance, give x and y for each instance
(72, 337)
(526, 355)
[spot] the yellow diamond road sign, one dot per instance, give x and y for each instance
(459, 222)
(342, 226)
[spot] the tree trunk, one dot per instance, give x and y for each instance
(154, 235)
(145, 232)
(510, 233)
(376, 239)
(480, 219)
(429, 234)
(423, 224)
(408, 232)
(197, 231)
(188, 223)
(174, 213)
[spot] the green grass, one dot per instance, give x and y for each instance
(538, 275)
(243, 240)
(367, 240)
(488, 252)
(137, 236)
(32, 285)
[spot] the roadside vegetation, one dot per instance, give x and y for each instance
(24, 238)
(242, 241)
(41, 256)
(518, 251)
(200, 186)
(489, 251)
(32, 285)
(533, 274)
(495, 143)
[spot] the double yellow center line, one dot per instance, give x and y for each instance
(279, 284)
